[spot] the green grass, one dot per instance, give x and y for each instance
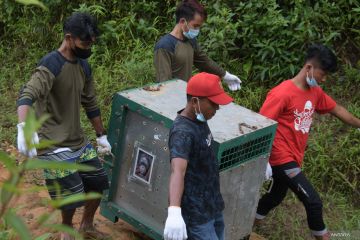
(288, 220)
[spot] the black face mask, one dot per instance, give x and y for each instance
(81, 53)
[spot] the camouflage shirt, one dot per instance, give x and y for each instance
(192, 140)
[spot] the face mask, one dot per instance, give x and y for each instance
(192, 33)
(199, 116)
(311, 81)
(81, 53)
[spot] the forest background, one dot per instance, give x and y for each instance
(261, 41)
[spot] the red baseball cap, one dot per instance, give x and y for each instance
(208, 85)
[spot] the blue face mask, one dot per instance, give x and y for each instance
(199, 116)
(192, 33)
(311, 81)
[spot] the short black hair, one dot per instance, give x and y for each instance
(188, 8)
(81, 25)
(323, 56)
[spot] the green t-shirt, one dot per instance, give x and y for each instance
(174, 58)
(60, 87)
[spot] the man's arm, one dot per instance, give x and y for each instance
(39, 86)
(205, 64)
(96, 122)
(88, 101)
(162, 63)
(22, 111)
(175, 227)
(176, 185)
(344, 115)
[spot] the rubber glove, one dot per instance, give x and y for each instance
(104, 146)
(268, 172)
(21, 143)
(175, 228)
(232, 81)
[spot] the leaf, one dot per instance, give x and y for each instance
(43, 144)
(10, 187)
(74, 198)
(64, 228)
(44, 164)
(43, 237)
(247, 67)
(33, 2)
(18, 225)
(7, 161)
(292, 69)
(46, 217)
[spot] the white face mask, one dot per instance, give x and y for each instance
(199, 116)
(192, 33)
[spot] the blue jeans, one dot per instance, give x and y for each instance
(212, 230)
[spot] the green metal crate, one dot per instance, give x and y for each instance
(139, 126)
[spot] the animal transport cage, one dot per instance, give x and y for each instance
(140, 168)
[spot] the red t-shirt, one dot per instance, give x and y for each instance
(293, 109)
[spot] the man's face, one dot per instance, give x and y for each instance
(195, 23)
(207, 107)
(77, 42)
(319, 74)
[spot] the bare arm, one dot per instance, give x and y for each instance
(22, 111)
(344, 115)
(97, 125)
(176, 186)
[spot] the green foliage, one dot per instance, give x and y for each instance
(339, 216)
(10, 222)
(33, 2)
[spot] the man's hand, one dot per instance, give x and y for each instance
(268, 172)
(232, 81)
(21, 142)
(175, 228)
(104, 146)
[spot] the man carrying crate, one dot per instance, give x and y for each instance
(292, 104)
(196, 204)
(59, 86)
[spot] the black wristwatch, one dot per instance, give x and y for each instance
(101, 134)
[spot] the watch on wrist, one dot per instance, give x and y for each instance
(101, 134)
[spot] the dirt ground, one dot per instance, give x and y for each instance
(30, 207)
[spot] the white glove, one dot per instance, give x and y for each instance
(232, 81)
(268, 172)
(21, 143)
(175, 228)
(104, 146)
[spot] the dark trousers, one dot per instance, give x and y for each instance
(289, 175)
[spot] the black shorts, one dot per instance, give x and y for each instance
(64, 183)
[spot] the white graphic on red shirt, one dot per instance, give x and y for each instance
(303, 119)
